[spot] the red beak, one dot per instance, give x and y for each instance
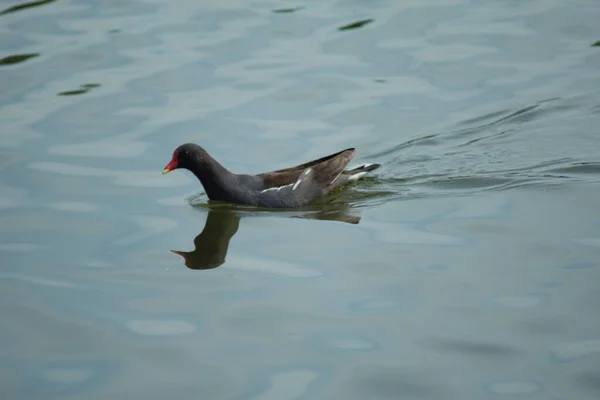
(170, 166)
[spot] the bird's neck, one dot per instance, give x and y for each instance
(215, 179)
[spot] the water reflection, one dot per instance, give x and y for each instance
(211, 245)
(339, 212)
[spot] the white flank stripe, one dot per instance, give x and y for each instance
(275, 188)
(297, 183)
(334, 179)
(300, 180)
(278, 188)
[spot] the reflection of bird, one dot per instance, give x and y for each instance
(285, 188)
(333, 212)
(212, 243)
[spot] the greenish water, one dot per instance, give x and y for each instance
(467, 267)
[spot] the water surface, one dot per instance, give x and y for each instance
(466, 268)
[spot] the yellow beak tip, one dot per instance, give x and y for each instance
(166, 171)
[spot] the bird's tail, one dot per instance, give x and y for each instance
(359, 172)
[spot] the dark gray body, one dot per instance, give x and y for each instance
(286, 188)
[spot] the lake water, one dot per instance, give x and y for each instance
(467, 267)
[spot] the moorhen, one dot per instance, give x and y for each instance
(285, 188)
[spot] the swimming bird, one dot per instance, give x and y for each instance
(285, 188)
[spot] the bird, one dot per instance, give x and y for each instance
(292, 187)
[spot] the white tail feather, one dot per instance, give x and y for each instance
(357, 176)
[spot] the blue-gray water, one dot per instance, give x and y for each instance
(468, 267)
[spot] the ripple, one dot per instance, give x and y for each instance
(24, 6)
(36, 280)
(151, 179)
(579, 168)
(97, 263)
(518, 302)
(20, 247)
(172, 201)
(588, 241)
(590, 380)
(479, 29)
(354, 344)
(407, 234)
(86, 87)
(398, 301)
(287, 10)
(107, 149)
(545, 326)
(271, 266)
(437, 268)
(147, 227)
(347, 344)
(394, 86)
(467, 182)
(67, 375)
(484, 207)
(121, 178)
(392, 382)
(287, 385)
(577, 266)
(356, 25)
(17, 58)
(512, 387)
(160, 327)
(69, 169)
(74, 206)
(372, 304)
(452, 52)
(12, 197)
(570, 351)
(473, 348)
